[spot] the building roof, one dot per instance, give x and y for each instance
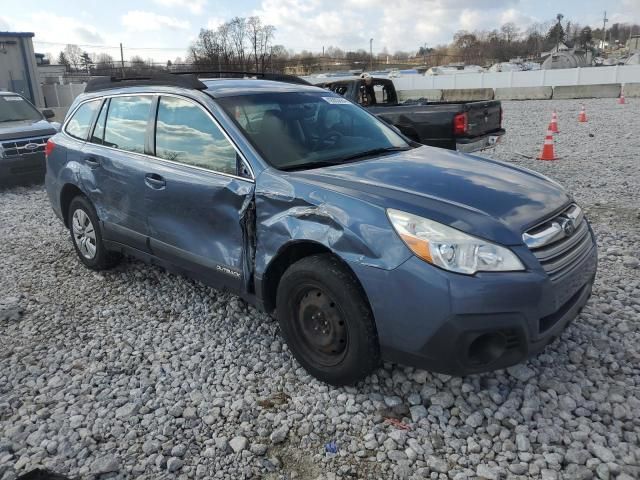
(17, 34)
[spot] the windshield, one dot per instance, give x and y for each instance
(298, 130)
(14, 108)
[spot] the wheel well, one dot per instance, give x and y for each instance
(285, 258)
(69, 192)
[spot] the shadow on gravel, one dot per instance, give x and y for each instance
(39, 474)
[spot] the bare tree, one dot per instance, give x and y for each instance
(238, 37)
(103, 61)
(510, 31)
(260, 39)
(238, 43)
(73, 54)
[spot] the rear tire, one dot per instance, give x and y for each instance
(86, 236)
(326, 320)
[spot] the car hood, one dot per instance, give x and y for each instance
(483, 197)
(26, 128)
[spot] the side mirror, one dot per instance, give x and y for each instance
(48, 113)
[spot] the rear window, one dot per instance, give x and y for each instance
(126, 122)
(80, 122)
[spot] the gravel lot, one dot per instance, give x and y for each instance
(139, 373)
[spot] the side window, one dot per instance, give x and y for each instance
(80, 122)
(126, 122)
(98, 130)
(186, 134)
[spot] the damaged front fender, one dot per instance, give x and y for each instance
(291, 210)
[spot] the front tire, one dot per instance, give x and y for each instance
(86, 236)
(326, 320)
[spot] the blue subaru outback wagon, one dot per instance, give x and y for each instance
(365, 245)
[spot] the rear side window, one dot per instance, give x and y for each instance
(186, 134)
(126, 122)
(80, 122)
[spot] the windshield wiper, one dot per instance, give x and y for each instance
(340, 160)
(306, 165)
(373, 152)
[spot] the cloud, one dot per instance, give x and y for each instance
(309, 24)
(140, 21)
(51, 27)
(214, 22)
(88, 35)
(397, 25)
(4, 24)
(194, 6)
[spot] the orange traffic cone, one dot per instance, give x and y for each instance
(583, 115)
(553, 126)
(548, 152)
(621, 99)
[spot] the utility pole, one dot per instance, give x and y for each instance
(371, 54)
(559, 17)
(604, 28)
(424, 53)
(122, 60)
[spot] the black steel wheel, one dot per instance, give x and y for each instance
(319, 325)
(326, 320)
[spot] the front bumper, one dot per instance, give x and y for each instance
(22, 170)
(458, 325)
(479, 143)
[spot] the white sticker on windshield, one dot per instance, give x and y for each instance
(12, 99)
(336, 100)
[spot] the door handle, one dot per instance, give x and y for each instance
(93, 162)
(155, 181)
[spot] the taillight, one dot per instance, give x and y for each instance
(461, 124)
(48, 148)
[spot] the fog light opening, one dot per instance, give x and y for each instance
(487, 348)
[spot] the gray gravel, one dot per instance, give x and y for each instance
(138, 373)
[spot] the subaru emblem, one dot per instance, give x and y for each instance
(568, 227)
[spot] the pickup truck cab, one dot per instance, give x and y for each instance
(365, 246)
(24, 132)
(466, 127)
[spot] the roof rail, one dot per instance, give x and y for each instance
(276, 77)
(157, 78)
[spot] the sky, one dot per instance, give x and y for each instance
(163, 29)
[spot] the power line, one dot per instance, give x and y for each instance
(108, 46)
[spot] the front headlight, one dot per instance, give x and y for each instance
(449, 248)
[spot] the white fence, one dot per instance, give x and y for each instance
(538, 78)
(56, 95)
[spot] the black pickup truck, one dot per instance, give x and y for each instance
(466, 127)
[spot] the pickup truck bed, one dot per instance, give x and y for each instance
(466, 127)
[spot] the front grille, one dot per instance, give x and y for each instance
(563, 249)
(24, 146)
